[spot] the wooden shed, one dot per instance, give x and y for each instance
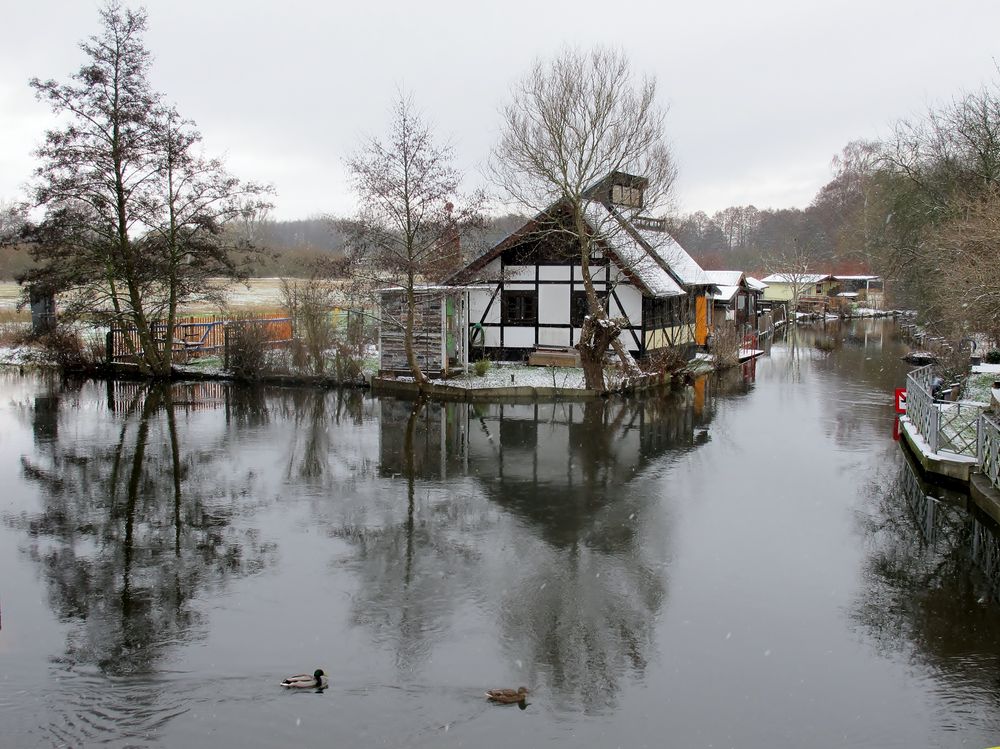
(440, 335)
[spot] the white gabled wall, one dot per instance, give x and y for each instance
(631, 301)
(520, 273)
(518, 337)
(555, 337)
(553, 304)
(554, 272)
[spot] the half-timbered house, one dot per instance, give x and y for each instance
(532, 295)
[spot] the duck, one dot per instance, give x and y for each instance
(317, 680)
(507, 696)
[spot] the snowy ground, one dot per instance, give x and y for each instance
(24, 355)
(506, 374)
(979, 384)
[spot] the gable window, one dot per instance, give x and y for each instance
(519, 308)
(626, 195)
(579, 309)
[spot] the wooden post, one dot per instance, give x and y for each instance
(43, 309)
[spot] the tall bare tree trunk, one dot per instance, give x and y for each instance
(411, 355)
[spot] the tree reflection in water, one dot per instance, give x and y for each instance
(126, 539)
(575, 598)
(930, 583)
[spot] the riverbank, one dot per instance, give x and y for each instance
(500, 380)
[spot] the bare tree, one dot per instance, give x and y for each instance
(95, 171)
(794, 266)
(135, 221)
(409, 216)
(570, 122)
(201, 226)
(962, 255)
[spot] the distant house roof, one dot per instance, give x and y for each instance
(725, 277)
(756, 285)
(797, 278)
(726, 282)
(858, 278)
(724, 293)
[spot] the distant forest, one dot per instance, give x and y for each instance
(757, 240)
(737, 238)
(296, 248)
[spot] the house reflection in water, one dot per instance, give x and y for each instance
(580, 447)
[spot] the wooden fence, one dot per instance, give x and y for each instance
(126, 396)
(193, 337)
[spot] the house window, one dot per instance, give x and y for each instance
(515, 433)
(661, 313)
(627, 196)
(520, 308)
(579, 309)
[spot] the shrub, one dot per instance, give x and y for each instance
(309, 303)
(69, 351)
(481, 367)
(992, 356)
(665, 360)
(725, 346)
(247, 348)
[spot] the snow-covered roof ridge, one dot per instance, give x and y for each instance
(666, 250)
(636, 259)
(792, 277)
(670, 252)
(725, 277)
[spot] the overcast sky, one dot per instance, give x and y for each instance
(761, 95)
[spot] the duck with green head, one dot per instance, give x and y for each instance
(317, 680)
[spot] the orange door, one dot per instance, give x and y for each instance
(700, 320)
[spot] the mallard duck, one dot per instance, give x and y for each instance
(317, 680)
(507, 696)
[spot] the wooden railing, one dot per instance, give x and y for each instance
(650, 223)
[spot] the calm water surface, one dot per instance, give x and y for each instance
(749, 563)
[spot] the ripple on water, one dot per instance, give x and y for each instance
(90, 708)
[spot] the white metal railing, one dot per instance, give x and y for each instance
(945, 425)
(988, 451)
(921, 410)
(924, 376)
(922, 505)
(986, 552)
(958, 427)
